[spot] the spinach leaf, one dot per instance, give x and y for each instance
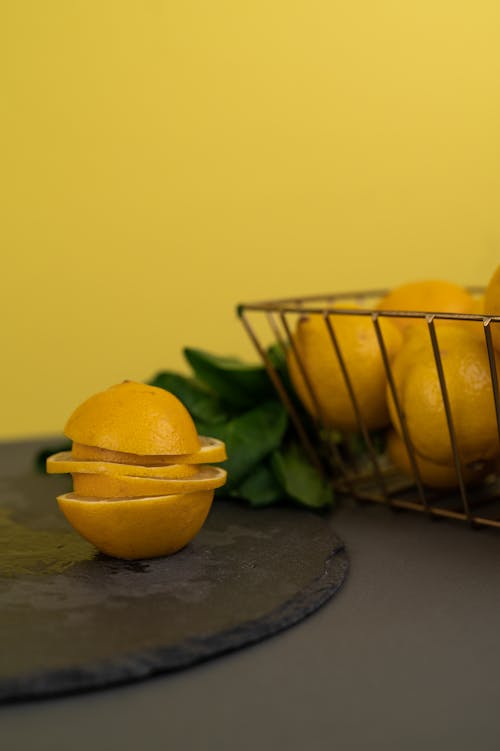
(260, 488)
(238, 384)
(249, 438)
(201, 403)
(300, 479)
(278, 360)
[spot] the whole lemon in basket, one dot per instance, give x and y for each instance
(330, 400)
(468, 383)
(492, 306)
(432, 296)
(432, 474)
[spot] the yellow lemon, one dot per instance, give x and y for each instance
(432, 474)
(138, 489)
(360, 350)
(211, 450)
(65, 463)
(468, 382)
(100, 485)
(134, 528)
(134, 418)
(432, 296)
(492, 305)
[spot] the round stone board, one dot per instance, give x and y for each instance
(73, 619)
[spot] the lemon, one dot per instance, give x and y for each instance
(432, 474)
(468, 382)
(134, 528)
(211, 450)
(432, 296)
(138, 489)
(64, 463)
(134, 418)
(360, 350)
(103, 485)
(492, 306)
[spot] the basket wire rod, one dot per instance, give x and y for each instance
(441, 512)
(297, 421)
(359, 417)
(493, 370)
(401, 416)
(449, 419)
(303, 371)
(334, 456)
(293, 411)
(283, 395)
(276, 331)
(291, 303)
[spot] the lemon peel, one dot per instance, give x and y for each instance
(211, 450)
(432, 474)
(432, 295)
(359, 346)
(492, 305)
(468, 381)
(100, 485)
(64, 463)
(133, 528)
(135, 418)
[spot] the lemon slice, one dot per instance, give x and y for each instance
(211, 450)
(64, 463)
(136, 418)
(123, 486)
(134, 528)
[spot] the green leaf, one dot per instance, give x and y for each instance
(249, 439)
(238, 384)
(300, 479)
(277, 358)
(260, 488)
(356, 449)
(201, 403)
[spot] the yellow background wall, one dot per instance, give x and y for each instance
(163, 160)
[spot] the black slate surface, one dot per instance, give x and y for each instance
(72, 619)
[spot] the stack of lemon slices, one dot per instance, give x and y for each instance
(142, 480)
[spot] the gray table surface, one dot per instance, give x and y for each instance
(406, 656)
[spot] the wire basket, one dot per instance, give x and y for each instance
(373, 478)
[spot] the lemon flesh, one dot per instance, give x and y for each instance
(64, 463)
(104, 485)
(211, 450)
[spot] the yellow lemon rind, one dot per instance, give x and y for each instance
(211, 450)
(136, 418)
(134, 528)
(101, 485)
(63, 463)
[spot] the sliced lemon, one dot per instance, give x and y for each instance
(126, 486)
(134, 528)
(211, 450)
(135, 418)
(65, 463)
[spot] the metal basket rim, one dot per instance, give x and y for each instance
(300, 305)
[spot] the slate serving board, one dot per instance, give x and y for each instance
(72, 619)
